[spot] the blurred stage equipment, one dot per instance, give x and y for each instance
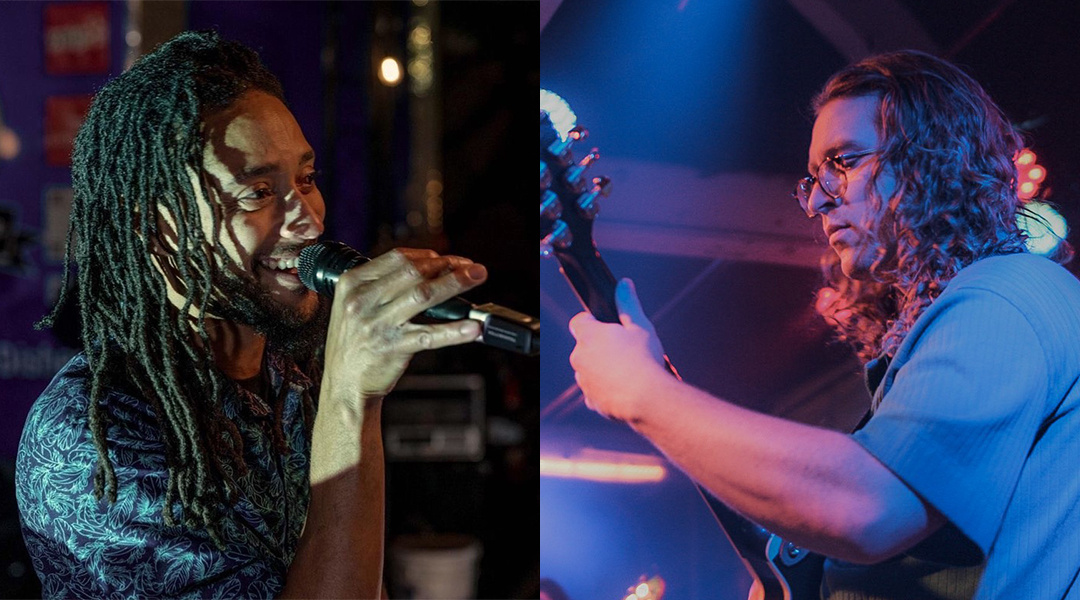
(435, 566)
(647, 589)
(435, 418)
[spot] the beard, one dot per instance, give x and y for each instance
(241, 299)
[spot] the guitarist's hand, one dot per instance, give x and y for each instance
(614, 362)
(757, 592)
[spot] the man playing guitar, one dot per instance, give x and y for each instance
(962, 483)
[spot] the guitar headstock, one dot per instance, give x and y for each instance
(569, 198)
(569, 202)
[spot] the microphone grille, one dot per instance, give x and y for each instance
(305, 264)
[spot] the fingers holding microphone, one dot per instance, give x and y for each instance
(421, 283)
(371, 338)
(321, 265)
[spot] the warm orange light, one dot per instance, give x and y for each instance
(1027, 189)
(1026, 157)
(605, 466)
(1037, 174)
(390, 71)
(653, 589)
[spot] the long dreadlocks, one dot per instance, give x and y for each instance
(130, 164)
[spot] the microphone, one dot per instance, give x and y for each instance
(320, 265)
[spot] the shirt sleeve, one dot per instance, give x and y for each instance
(965, 406)
(83, 547)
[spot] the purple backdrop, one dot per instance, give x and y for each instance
(29, 358)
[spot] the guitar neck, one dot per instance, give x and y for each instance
(592, 282)
(567, 209)
(594, 285)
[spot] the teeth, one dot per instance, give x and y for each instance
(281, 264)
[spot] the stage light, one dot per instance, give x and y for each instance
(826, 306)
(9, 143)
(652, 589)
(390, 71)
(604, 466)
(1044, 226)
(1029, 174)
(562, 116)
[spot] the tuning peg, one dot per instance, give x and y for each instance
(574, 173)
(560, 237)
(588, 203)
(545, 176)
(604, 185)
(578, 133)
(560, 151)
(550, 207)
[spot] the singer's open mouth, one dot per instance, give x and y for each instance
(281, 273)
(285, 263)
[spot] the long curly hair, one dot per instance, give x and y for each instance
(950, 149)
(131, 162)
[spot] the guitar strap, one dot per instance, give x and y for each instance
(865, 419)
(874, 375)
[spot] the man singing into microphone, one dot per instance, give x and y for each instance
(201, 445)
(962, 483)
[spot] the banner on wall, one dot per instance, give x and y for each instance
(73, 48)
(63, 116)
(76, 38)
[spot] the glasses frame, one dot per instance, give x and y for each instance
(804, 188)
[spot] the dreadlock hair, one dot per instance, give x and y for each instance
(950, 149)
(131, 163)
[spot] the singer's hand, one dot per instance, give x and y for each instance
(370, 339)
(614, 362)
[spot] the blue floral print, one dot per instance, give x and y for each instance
(86, 548)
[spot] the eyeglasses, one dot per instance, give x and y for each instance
(831, 175)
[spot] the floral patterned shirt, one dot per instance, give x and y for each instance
(86, 548)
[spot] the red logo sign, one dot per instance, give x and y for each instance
(63, 116)
(76, 38)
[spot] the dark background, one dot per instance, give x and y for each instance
(364, 133)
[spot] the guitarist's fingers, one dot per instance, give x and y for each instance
(757, 592)
(630, 311)
(589, 403)
(581, 322)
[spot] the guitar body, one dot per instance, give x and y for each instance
(797, 571)
(567, 209)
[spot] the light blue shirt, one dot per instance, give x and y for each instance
(979, 413)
